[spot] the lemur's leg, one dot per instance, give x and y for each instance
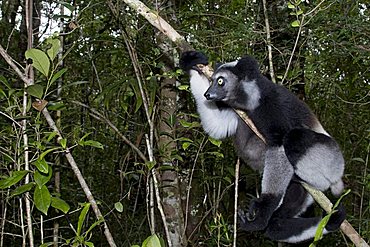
(287, 225)
(277, 174)
(316, 158)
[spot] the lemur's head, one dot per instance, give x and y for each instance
(228, 79)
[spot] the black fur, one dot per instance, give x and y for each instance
(297, 147)
(190, 59)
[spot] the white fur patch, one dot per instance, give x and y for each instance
(217, 123)
(254, 94)
(319, 129)
(306, 234)
(308, 202)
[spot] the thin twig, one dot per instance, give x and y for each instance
(29, 25)
(237, 168)
(294, 48)
(268, 40)
(157, 194)
(97, 115)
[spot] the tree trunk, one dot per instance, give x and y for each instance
(170, 183)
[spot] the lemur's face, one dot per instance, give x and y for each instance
(223, 84)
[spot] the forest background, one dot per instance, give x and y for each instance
(103, 126)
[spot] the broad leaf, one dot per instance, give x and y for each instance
(14, 178)
(92, 143)
(21, 189)
(215, 141)
(295, 23)
(185, 145)
(57, 75)
(35, 90)
(152, 241)
(82, 217)
(63, 143)
(41, 165)
(60, 204)
(118, 206)
(39, 60)
(43, 154)
(55, 46)
(41, 178)
(42, 199)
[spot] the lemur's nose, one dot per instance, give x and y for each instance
(209, 96)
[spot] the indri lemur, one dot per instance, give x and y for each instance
(297, 146)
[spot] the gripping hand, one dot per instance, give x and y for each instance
(259, 213)
(190, 59)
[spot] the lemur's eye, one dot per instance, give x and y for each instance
(220, 81)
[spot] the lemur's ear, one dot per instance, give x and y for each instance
(246, 68)
(218, 65)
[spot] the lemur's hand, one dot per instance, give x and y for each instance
(190, 59)
(259, 214)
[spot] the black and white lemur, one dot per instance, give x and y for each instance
(297, 146)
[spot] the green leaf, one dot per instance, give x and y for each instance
(184, 87)
(295, 23)
(118, 206)
(94, 225)
(51, 136)
(63, 143)
(21, 189)
(41, 165)
(14, 178)
(57, 75)
(82, 217)
(90, 244)
(41, 179)
(92, 143)
(85, 135)
(299, 12)
(35, 90)
(39, 60)
(55, 46)
(43, 154)
(358, 159)
(150, 164)
(185, 145)
(56, 106)
(291, 6)
(60, 204)
(42, 199)
(5, 82)
(215, 141)
(67, 5)
(152, 241)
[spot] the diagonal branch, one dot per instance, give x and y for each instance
(173, 35)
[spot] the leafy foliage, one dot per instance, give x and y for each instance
(329, 70)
